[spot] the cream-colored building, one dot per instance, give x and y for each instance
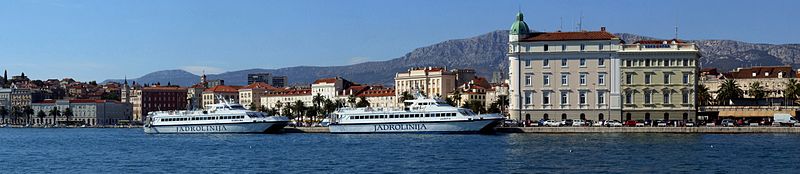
(772, 79)
(496, 93)
(220, 92)
(563, 75)
(88, 112)
(250, 95)
(380, 97)
(432, 81)
(285, 97)
(659, 79)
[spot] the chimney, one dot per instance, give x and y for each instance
(603, 28)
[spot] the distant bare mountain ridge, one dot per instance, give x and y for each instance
(485, 53)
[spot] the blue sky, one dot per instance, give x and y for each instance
(101, 39)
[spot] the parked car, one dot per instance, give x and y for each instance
(613, 123)
(630, 123)
(599, 123)
(689, 124)
(551, 123)
(728, 122)
(661, 123)
(578, 123)
(567, 122)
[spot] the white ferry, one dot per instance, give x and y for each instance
(222, 117)
(421, 115)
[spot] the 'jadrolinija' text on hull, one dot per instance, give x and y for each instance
(219, 118)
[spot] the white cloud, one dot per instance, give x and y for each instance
(198, 70)
(356, 60)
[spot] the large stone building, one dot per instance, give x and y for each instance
(156, 98)
(772, 79)
(250, 95)
(215, 94)
(563, 75)
(84, 111)
(659, 79)
(432, 81)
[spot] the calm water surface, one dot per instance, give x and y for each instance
(130, 150)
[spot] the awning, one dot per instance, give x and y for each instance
(752, 113)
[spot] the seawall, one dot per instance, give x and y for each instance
(713, 130)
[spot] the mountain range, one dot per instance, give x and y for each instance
(486, 54)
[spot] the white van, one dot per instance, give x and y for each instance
(783, 119)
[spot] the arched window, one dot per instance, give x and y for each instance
(600, 116)
(647, 116)
(583, 116)
(546, 117)
(685, 116)
(563, 116)
(666, 116)
(628, 116)
(527, 116)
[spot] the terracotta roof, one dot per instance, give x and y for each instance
(377, 93)
(325, 80)
(223, 89)
(761, 72)
(259, 85)
(564, 36)
(163, 88)
(658, 41)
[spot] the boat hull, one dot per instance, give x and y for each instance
(460, 126)
(246, 127)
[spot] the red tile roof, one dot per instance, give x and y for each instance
(325, 80)
(377, 93)
(223, 89)
(259, 85)
(761, 72)
(564, 36)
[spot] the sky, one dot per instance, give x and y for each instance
(104, 39)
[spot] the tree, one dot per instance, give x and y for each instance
(494, 108)
(287, 111)
(55, 113)
(351, 100)
(328, 106)
(16, 114)
(317, 100)
(362, 102)
(110, 96)
(68, 113)
(299, 108)
(792, 90)
(756, 90)
(703, 96)
(28, 112)
(449, 101)
(41, 116)
(278, 104)
(3, 113)
(254, 107)
(475, 106)
(727, 91)
(457, 97)
(406, 96)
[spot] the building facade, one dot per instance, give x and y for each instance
(563, 75)
(772, 79)
(157, 98)
(86, 112)
(215, 94)
(250, 95)
(432, 81)
(659, 79)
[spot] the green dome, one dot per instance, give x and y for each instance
(519, 27)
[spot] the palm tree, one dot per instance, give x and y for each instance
(317, 100)
(41, 116)
(727, 91)
(299, 107)
(278, 104)
(55, 113)
(328, 106)
(352, 100)
(287, 111)
(362, 102)
(3, 113)
(703, 96)
(756, 90)
(16, 114)
(339, 103)
(792, 90)
(406, 96)
(457, 97)
(28, 112)
(68, 113)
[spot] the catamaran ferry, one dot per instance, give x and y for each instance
(222, 117)
(420, 115)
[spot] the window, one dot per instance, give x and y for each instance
(583, 47)
(546, 47)
(546, 97)
(647, 63)
(628, 97)
(666, 97)
(564, 79)
(601, 62)
(685, 96)
(528, 97)
(582, 97)
(601, 79)
(647, 97)
(563, 62)
(583, 79)
(600, 46)
(628, 63)
(685, 78)
(647, 79)
(527, 63)
(546, 79)
(628, 78)
(583, 62)
(601, 98)
(666, 78)
(546, 62)
(563, 47)
(564, 97)
(528, 80)
(685, 62)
